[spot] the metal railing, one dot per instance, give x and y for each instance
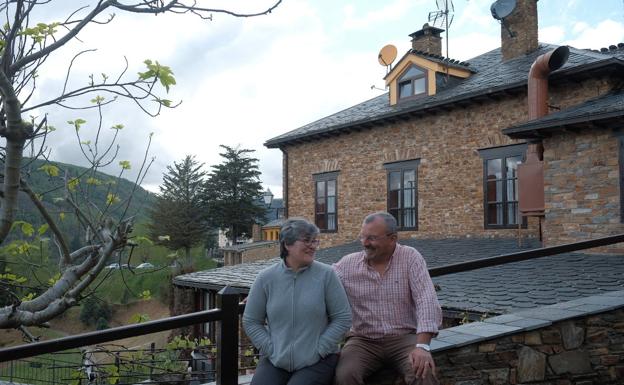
(228, 311)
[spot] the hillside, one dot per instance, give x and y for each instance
(89, 189)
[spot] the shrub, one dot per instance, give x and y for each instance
(94, 309)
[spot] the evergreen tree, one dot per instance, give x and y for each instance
(177, 217)
(232, 193)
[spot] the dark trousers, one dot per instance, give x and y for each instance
(361, 357)
(321, 373)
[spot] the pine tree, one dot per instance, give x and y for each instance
(178, 216)
(232, 193)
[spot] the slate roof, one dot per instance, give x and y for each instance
(605, 109)
(491, 77)
(492, 290)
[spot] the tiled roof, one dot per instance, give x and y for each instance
(603, 108)
(492, 290)
(491, 76)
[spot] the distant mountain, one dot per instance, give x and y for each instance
(92, 191)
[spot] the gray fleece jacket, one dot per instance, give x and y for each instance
(307, 313)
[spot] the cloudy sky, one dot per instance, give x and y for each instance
(244, 81)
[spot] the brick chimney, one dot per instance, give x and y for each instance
(522, 23)
(428, 40)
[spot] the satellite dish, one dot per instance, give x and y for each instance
(502, 8)
(387, 55)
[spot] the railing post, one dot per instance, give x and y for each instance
(152, 351)
(227, 337)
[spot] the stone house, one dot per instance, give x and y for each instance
(446, 151)
(441, 150)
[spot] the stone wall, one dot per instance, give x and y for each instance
(574, 352)
(583, 204)
(578, 342)
(250, 252)
(450, 174)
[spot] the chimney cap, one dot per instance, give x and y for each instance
(426, 30)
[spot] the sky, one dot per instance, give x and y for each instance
(242, 81)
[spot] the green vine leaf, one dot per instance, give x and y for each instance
(50, 169)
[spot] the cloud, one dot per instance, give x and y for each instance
(605, 33)
(377, 17)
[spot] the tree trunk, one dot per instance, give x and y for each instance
(189, 261)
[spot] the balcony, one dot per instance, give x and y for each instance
(574, 342)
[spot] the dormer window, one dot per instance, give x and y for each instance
(413, 82)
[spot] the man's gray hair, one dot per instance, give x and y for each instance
(294, 229)
(389, 220)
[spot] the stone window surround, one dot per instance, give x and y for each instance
(402, 166)
(325, 177)
(500, 152)
(619, 134)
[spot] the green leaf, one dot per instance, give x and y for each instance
(97, 100)
(28, 297)
(125, 164)
(43, 228)
(117, 127)
(139, 318)
(111, 199)
(158, 72)
(145, 295)
(77, 123)
(50, 169)
(27, 228)
(72, 184)
(54, 279)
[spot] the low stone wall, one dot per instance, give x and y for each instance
(250, 252)
(580, 342)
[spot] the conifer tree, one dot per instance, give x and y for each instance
(232, 193)
(177, 217)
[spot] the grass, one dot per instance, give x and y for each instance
(127, 285)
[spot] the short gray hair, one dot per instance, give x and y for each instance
(389, 220)
(294, 229)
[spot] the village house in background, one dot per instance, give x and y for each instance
(263, 243)
(514, 149)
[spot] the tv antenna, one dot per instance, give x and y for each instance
(500, 10)
(443, 18)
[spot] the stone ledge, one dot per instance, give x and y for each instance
(525, 320)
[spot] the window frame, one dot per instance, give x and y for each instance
(402, 167)
(411, 80)
(502, 153)
(619, 134)
(325, 178)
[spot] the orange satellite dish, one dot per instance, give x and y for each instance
(387, 55)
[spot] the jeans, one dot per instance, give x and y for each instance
(321, 373)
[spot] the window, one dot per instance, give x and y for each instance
(500, 185)
(403, 193)
(412, 82)
(325, 193)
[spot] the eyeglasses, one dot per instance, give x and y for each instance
(372, 238)
(310, 242)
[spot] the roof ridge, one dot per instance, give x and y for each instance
(439, 57)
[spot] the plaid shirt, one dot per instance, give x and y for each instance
(401, 301)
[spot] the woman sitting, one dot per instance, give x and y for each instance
(296, 313)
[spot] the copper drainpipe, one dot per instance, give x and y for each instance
(538, 79)
(531, 200)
